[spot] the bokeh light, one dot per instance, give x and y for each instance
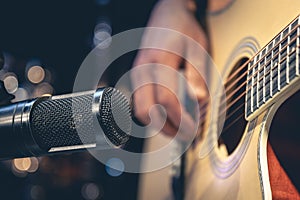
(22, 164)
(102, 35)
(11, 82)
(90, 191)
(114, 167)
(43, 89)
(36, 74)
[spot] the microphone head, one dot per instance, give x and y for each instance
(67, 122)
(115, 116)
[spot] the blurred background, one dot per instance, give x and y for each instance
(43, 43)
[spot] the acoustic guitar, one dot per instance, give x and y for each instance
(255, 45)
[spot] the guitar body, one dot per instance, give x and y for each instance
(238, 33)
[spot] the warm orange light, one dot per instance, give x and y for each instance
(22, 164)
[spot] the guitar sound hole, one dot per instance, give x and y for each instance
(284, 137)
(235, 122)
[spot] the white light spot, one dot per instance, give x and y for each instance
(102, 35)
(36, 74)
(90, 191)
(11, 83)
(114, 167)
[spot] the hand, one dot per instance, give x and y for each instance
(178, 16)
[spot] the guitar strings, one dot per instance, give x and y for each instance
(204, 107)
(245, 73)
(255, 64)
(260, 79)
(255, 73)
(237, 109)
(230, 95)
(242, 94)
(256, 82)
(269, 50)
(231, 77)
(243, 67)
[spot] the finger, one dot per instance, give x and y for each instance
(197, 84)
(167, 95)
(142, 85)
(143, 80)
(178, 121)
(143, 101)
(182, 135)
(163, 119)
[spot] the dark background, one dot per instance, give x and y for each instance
(60, 34)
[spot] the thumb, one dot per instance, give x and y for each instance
(197, 82)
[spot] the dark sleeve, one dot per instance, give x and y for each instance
(201, 12)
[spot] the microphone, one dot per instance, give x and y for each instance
(48, 125)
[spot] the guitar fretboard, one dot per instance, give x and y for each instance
(273, 68)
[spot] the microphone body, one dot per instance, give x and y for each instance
(48, 125)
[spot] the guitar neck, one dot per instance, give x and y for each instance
(272, 70)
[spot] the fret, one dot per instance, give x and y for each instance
(283, 74)
(249, 94)
(254, 94)
(285, 32)
(268, 87)
(295, 23)
(270, 46)
(292, 46)
(293, 28)
(292, 66)
(251, 63)
(262, 79)
(275, 60)
(254, 100)
(264, 82)
(291, 58)
(268, 82)
(275, 83)
(260, 97)
(249, 106)
(277, 40)
(268, 56)
(280, 49)
(276, 50)
(268, 67)
(263, 52)
(284, 42)
(293, 34)
(283, 52)
(262, 62)
(260, 85)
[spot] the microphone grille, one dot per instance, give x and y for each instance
(115, 116)
(68, 120)
(54, 124)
